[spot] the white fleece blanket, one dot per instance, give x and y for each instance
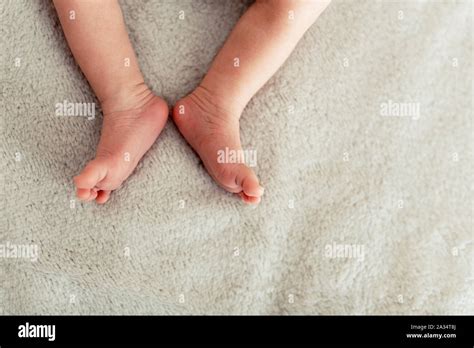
(364, 143)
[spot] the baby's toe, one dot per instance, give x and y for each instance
(92, 196)
(93, 173)
(102, 196)
(249, 199)
(248, 181)
(83, 194)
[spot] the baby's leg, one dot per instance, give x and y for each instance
(209, 117)
(133, 115)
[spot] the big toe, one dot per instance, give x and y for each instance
(248, 182)
(249, 199)
(83, 194)
(92, 174)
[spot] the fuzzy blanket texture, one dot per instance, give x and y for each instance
(364, 143)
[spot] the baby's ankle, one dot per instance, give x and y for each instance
(217, 101)
(126, 98)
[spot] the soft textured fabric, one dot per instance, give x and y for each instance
(367, 206)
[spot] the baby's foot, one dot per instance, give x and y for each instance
(128, 131)
(209, 127)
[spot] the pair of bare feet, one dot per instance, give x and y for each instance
(129, 130)
(208, 117)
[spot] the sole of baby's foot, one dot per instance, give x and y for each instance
(213, 131)
(126, 135)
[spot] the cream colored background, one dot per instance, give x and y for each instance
(417, 259)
